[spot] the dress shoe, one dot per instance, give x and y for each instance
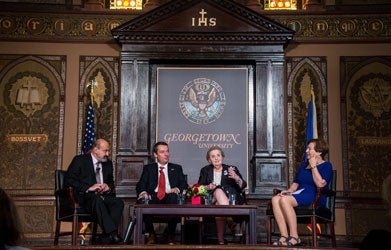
(115, 239)
(232, 226)
(105, 240)
(171, 239)
(151, 239)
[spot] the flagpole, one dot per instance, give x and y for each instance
(89, 138)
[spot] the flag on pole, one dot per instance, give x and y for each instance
(89, 134)
(312, 128)
(89, 138)
(312, 133)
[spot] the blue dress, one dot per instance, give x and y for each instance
(305, 180)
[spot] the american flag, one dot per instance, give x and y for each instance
(89, 134)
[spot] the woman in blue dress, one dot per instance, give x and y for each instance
(313, 173)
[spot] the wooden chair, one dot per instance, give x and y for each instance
(68, 210)
(312, 214)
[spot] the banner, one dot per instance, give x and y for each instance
(201, 107)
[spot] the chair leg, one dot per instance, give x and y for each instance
(268, 230)
(332, 233)
(314, 238)
(75, 230)
(94, 230)
(183, 222)
(57, 233)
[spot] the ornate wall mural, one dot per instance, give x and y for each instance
(304, 73)
(366, 123)
(102, 74)
(32, 108)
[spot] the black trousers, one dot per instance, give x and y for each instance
(171, 221)
(107, 210)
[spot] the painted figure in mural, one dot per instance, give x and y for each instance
(92, 179)
(225, 184)
(312, 173)
(160, 183)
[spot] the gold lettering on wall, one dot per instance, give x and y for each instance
(320, 27)
(29, 138)
(203, 20)
(36, 25)
(347, 27)
(88, 27)
(62, 26)
(294, 25)
(113, 24)
(7, 25)
(374, 27)
(375, 141)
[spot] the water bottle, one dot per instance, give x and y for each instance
(232, 199)
(180, 199)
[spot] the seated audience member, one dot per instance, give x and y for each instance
(378, 238)
(221, 180)
(160, 183)
(10, 228)
(313, 173)
(91, 176)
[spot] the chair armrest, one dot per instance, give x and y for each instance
(72, 199)
(329, 192)
(318, 195)
(61, 193)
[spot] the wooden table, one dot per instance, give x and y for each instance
(185, 210)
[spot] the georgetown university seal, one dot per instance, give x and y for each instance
(202, 101)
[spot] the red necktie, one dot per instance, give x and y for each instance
(161, 190)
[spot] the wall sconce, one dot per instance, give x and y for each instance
(280, 5)
(126, 4)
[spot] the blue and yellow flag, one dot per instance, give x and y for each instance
(312, 128)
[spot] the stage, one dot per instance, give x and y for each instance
(177, 247)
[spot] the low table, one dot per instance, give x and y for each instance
(185, 210)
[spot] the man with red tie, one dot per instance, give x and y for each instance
(160, 183)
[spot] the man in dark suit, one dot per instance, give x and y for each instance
(91, 176)
(148, 187)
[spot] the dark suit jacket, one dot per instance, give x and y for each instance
(227, 184)
(81, 175)
(149, 178)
